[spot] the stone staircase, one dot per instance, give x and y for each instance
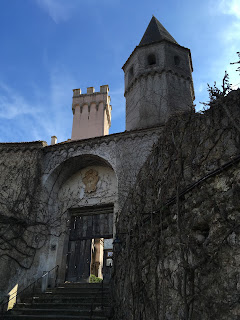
(81, 301)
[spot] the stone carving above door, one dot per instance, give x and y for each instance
(90, 180)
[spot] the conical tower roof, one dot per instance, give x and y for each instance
(155, 32)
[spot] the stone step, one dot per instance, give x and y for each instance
(40, 317)
(66, 299)
(69, 305)
(60, 291)
(54, 299)
(74, 294)
(84, 285)
(78, 289)
(74, 312)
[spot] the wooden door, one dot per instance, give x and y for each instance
(85, 227)
(79, 259)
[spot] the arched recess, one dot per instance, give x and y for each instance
(79, 184)
(69, 167)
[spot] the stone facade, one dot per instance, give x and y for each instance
(171, 183)
(41, 183)
(180, 226)
(20, 178)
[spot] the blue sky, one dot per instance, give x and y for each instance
(49, 47)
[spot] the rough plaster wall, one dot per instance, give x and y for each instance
(130, 157)
(180, 255)
(20, 166)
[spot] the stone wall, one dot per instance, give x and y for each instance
(39, 186)
(155, 91)
(20, 176)
(180, 227)
(117, 158)
(124, 152)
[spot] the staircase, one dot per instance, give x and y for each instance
(81, 301)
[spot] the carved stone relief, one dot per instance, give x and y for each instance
(90, 180)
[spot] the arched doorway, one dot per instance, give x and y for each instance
(85, 188)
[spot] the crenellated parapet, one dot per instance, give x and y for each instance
(91, 113)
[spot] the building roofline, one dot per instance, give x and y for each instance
(35, 144)
(102, 139)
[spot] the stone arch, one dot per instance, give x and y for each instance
(68, 192)
(70, 166)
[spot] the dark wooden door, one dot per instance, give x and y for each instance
(85, 227)
(79, 259)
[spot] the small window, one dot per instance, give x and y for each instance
(130, 74)
(176, 60)
(151, 59)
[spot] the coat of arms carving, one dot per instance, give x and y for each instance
(90, 180)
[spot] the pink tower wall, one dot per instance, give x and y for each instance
(91, 113)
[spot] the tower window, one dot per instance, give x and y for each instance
(176, 60)
(130, 74)
(151, 59)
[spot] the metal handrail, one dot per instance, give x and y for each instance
(3, 304)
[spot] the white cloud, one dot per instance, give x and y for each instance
(33, 115)
(201, 87)
(62, 10)
(60, 96)
(231, 7)
(58, 10)
(34, 118)
(17, 114)
(12, 104)
(231, 31)
(227, 17)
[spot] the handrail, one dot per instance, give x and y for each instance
(3, 304)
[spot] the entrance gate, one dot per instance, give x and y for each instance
(86, 225)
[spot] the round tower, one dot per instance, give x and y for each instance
(158, 79)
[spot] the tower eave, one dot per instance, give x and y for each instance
(153, 43)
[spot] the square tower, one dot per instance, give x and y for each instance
(91, 113)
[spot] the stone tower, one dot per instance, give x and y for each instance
(91, 113)
(158, 79)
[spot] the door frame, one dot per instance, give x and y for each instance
(82, 211)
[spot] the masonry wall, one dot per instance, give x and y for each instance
(20, 178)
(40, 184)
(156, 91)
(180, 227)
